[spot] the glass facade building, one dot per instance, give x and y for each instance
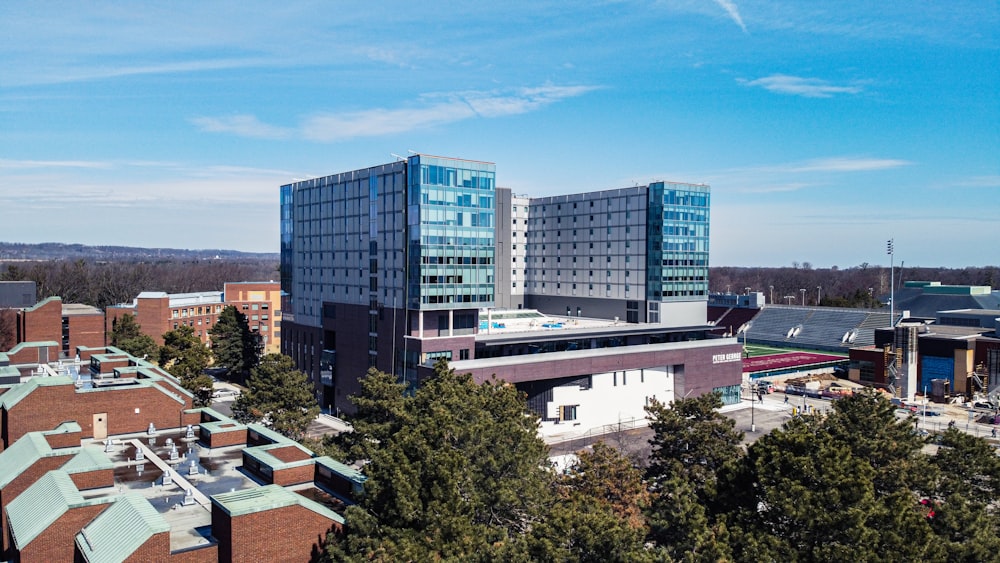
(451, 237)
(677, 242)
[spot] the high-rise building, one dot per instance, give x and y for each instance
(398, 265)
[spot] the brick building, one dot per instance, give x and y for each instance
(112, 464)
(158, 312)
(70, 325)
(261, 303)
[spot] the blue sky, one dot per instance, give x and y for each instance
(824, 128)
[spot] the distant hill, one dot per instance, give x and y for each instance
(15, 251)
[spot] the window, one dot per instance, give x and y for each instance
(567, 412)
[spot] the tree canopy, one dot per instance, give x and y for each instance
(126, 334)
(185, 356)
(279, 396)
(235, 347)
(456, 471)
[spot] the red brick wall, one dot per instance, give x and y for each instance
(192, 418)
(294, 475)
(222, 439)
(86, 330)
(30, 355)
(156, 548)
(93, 479)
(57, 543)
(201, 554)
(111, 314)
(43, 323)
(46, 407)
(153, 315)
(18, 485)
(63, 440)
(288, 534)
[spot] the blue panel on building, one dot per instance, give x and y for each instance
(937, 368)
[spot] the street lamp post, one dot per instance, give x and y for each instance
(771, 288)
(819, 294)
(789, 298)
(745, 329)
(803, 291)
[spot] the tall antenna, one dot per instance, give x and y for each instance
(892, 284)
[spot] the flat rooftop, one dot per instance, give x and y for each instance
(215, 471)
(530, 320)
(204, 471)
(528, 325)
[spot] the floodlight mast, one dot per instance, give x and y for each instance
(892, 283)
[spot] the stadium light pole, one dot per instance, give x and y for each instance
(892, 283)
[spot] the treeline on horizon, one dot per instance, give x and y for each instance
(862, 286)
(110, 281)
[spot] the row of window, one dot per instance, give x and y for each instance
(193, 311)
(590, 232)
(590, 259)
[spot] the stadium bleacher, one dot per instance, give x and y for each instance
(816, 328)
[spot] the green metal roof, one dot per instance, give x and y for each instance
(89, 458)
(21, 455)
(30, 448)
(42, 303)
(19, 392)
(41, 504)
(341, 469)
(64, 428)
(120, 530)
(32, 344)
(261, 454)
(272, 435)
(269, 497)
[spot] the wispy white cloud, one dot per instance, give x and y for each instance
(986, 181)
(793, 176)
(734, 13)
(431, 110)
(842, 164)
(801, 86)
(241, 125)
(29, 164)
